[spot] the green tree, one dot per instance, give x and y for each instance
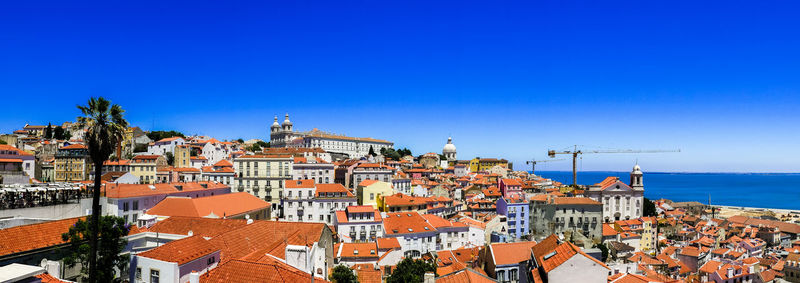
(411, 270)
(48, 132)
(262, 144)
(649, 208)
(193, 152)
(343, 274)
(170, 158)
(371, 151)
(140, 148)
(391, 153)
(240, 140)
(159, 135)
(60, 134)
(255, 148)
(3, 142)
(112, 241)
(105, 127)
(603, 252)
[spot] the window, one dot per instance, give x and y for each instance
(153, 276)
(125, 206)
(136, 205)
(139, 273)
(211, 260)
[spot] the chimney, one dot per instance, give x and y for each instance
(429, 278)
(730, 272)
(194, 277)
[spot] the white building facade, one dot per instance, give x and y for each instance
(620, 201)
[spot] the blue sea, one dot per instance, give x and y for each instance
(766, 190)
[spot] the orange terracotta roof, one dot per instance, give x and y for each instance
(34, 236)
(333, 188)
(388, 243)
(181, 251)
(223, 163)
(137, 190)
(397, 223)
(367, 273)
(223, 205)
(690, 251)
(511, 253)
(357, 250)
(146, 157)
(254, 241)
(367, 182)
(299, 184)
(168, 139)
(360, 209)
(575, 200)
(47, 278)
(206, 227)
(271, 270)
(464, 275)
(511, 182)
(75, 146)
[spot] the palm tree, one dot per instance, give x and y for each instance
(105, 127)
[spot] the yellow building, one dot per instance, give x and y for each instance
(648, 241)
(72, 163)
(145, 167)
(183, 154)
(485, 164)
(368, 192)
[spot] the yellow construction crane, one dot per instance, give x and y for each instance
(534, 162)
(575, 152)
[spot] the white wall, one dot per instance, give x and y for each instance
(578, 269)
(168, 271)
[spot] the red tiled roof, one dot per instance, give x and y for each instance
(296, 184)
(240, 271)
(75, 146)
(511, 253)
(397, 223)
(224, 205)
(360, 208)
(367, 182)
(333, 188)
(181, 251)
(388, 243)
(357, 250)
(137, 190)
(206, 227)
(34, 236)
(223, 163)
(511, 182)
(575, 200)
(464, 275)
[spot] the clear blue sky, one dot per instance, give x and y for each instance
(718, 79)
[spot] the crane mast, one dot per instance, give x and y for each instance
(575, 152)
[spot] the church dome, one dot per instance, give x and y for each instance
(636, 168)
(275, 123)
(286, 121)
(449, 147)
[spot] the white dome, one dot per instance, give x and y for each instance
(636, 168)
(286, 121)
(449, 147)
(275, 123)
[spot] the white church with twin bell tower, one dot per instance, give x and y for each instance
(620, 201)
(284, 135)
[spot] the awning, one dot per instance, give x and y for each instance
(10, 160)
